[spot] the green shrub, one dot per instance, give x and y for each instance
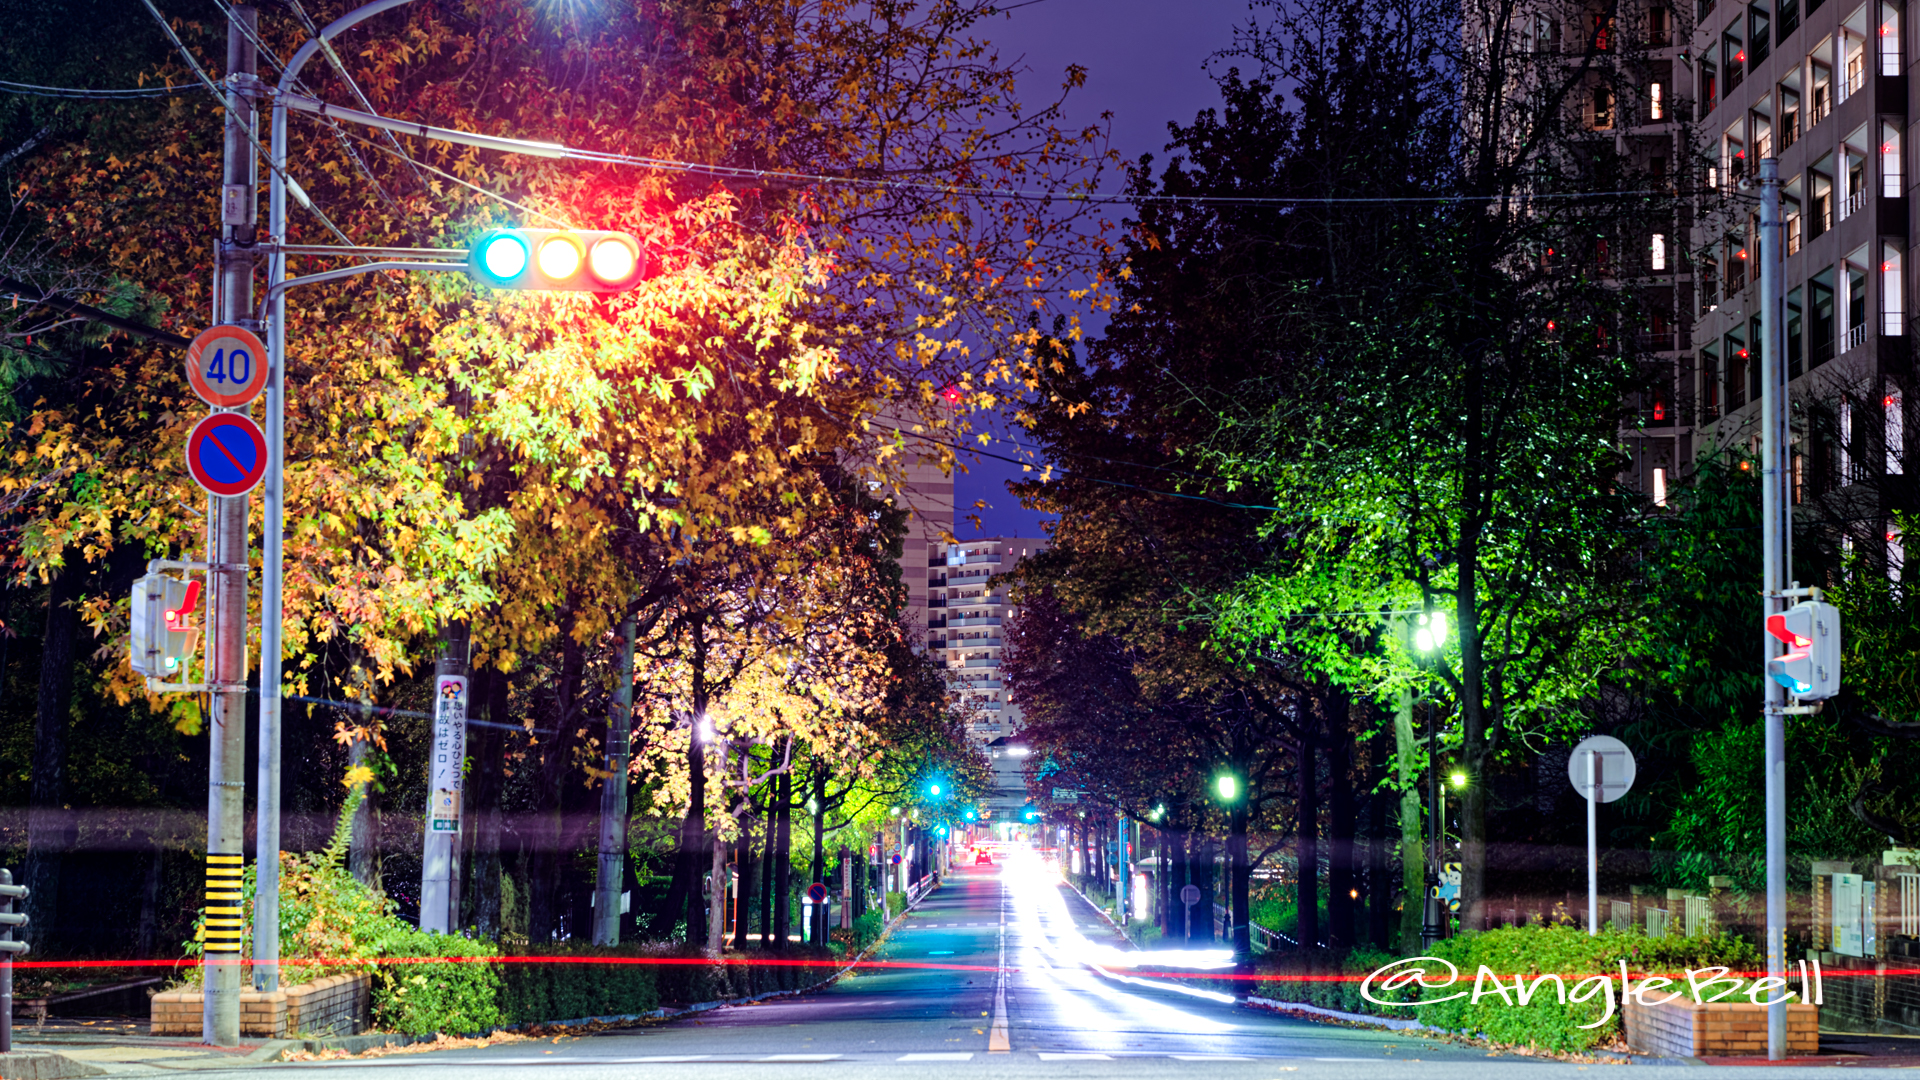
(575, 988)
(459, 998)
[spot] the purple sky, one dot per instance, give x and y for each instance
(1144, 61)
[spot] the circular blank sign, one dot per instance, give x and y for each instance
(1616, 766)
(227, 366)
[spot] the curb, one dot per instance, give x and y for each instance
(1273, 1005)
(44, 1065)
(359, 1044)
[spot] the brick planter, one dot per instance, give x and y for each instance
(338, 1005)
(1681, 1028)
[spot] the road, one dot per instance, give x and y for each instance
(1008, 994)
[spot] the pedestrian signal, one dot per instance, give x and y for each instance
(163, 635)
(1810, 668)
(558, 260)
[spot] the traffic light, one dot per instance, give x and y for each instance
(163, 635)
(558, 260)
(1810, 668)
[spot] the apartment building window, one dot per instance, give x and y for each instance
(1854, 171)
(1657, 253)
(1602, 107)
(1759, 37)
(1853, 60)
(1735, 346)
(1889, 39)
(1856, 301)
(1794, 330)
(1798, 471)
(1893, 315)
(1844, 452)
(1789, 93)
(1602, 33)
(1709, 89)
(1762, 134)
(1820, 187)
(1753, 362)
(1893, 183)
(1824, 327)
(1896, 553)
(1896, 433)
(1820, 78)
(1709, 397)
(1733, 57)
(1786, 19)
(1736, 155)
(1790, 213)
(1659, 28)
(1656, 102)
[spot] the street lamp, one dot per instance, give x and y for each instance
(1228, 786)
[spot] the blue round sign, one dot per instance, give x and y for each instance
(227, 454)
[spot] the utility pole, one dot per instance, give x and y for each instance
(227, 621)
(613, 796)
(1776, 538)
(440, 860)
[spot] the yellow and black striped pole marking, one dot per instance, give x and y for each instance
(225, 927)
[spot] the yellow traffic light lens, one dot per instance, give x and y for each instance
(612, 261)
(505, 256)
(559, 258)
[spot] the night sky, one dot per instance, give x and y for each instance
(1145, 64)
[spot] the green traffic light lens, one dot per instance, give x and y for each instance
(505, 256)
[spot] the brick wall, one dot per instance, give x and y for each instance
(1681, 1028)
(338, 1005)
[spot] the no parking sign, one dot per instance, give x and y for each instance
(227, 454)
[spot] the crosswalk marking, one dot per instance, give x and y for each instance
(1231, 1057)
(1076, 1057)
(799, 1057)
(956, 1056)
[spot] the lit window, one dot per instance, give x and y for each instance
(1893, 317)
(1896, 434)
(1896, 554)
(1846, 442)
(1659, 251)
(1659, 487)
(1657, 102)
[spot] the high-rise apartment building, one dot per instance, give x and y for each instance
(1824, 89)
(967, 617)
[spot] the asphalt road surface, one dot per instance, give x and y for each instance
(1015, 997)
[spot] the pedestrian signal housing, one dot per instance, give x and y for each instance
(1810, 668)
(163, 635)
(558, 260)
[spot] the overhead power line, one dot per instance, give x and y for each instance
(131, 94)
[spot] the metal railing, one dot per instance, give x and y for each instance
(1856, 337)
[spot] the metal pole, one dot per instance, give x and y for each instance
(613, 796)
(227, 651)
(266, 901)
(8, 948)
(439, 857)
(1593, 843)
(1777, 561)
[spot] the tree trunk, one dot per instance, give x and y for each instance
(545, 905)
(1202, 868)
(769, 865)
(783, 866)
(818, 931)
(697, 837)
(1341, 893)
(1413, 856)
(363, 851)
(1379, 888)
(146, 936)
(1239, 884)
(744, 891)
(1174, 846)
(718, 874)
(1474, 719)
(1307, 842)
(50, 832)
(483, 888)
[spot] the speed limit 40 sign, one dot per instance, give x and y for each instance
(227, 366)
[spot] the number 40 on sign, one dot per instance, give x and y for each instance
(227, 366)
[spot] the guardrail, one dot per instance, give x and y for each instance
(1269, 939)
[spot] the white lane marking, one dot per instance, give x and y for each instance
(1076, 1057)
(1235, 1057)
(959, 1056)
(997, 1041)
(671, 1057)
(798, 1057)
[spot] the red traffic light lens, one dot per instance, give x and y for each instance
(505, 256)
(613, 261)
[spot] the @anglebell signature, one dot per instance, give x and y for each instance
(1521, 992)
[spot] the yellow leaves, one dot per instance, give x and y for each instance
(356, 775)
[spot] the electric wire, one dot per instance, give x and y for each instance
(442, 173)
(340, 68)
(131, 94)
(214, 89)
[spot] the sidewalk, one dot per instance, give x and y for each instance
(122, 1047)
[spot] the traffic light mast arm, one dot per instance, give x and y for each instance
(274, 291)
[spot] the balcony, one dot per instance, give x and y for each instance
(977, 620)
(972, 643)
(1856, 337)
(1853, 204)
(983, 661)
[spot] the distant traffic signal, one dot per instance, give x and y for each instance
(1810, 668)
(558, 260)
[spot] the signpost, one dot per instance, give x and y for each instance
(443, 802)
(1602, 770)
(227, 454)
(227, 366)
(1189, 895)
